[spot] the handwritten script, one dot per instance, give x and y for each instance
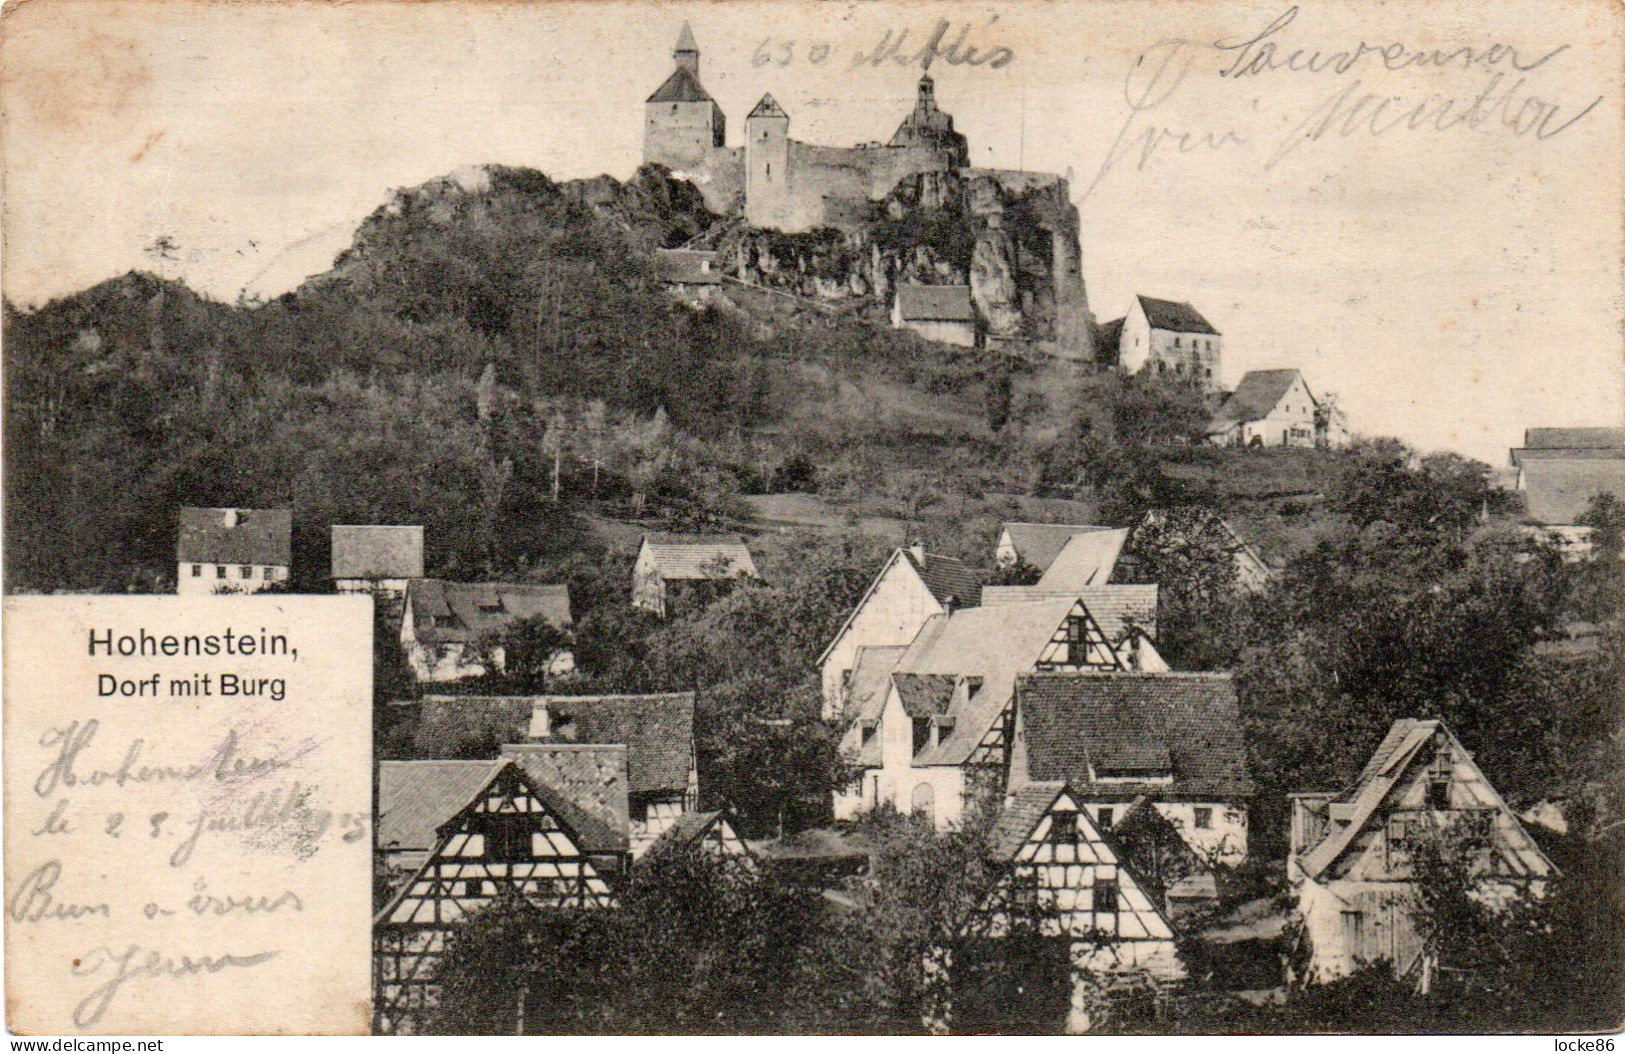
(179, 849)
(1280, 93)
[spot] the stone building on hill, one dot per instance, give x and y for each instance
(1270, 408)
(1166, 337)
(943, 313)
(906, 210)
(376, 559)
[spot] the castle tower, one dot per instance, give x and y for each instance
(767, 164)
(681, 122)
(927, 127)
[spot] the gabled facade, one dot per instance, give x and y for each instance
(232, 550)
(656, 733)
(1173, 531)
(912, 586)
(712, 832)
(666, 559)
(376, 559)
(1174, 739)
(940, 732)
(1085, 560)
(1169, 338)
(1350, 859)
(1064, 872)
(1268, 408)
(1127, 615)
(506, 838)
(445, 624)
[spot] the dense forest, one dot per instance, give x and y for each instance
(494, 359)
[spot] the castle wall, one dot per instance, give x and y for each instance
(831, 186)
(718, 173)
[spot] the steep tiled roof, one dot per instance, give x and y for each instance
(1040, 543)
(447, 612)
(1174, 316)
(688, 266)
(1394, 756)
(697, 556)
(416, 797)
(374, 551)
(871, 679)
(993, 643)
(1022, 811)
(948, 579)
(924, 694)
(658, 731)
(1114, 607)
(1086, 560)
(1558, 438)
(1129, 722)
(682, 86)
(767, 107)
(1259, 392)
(258, 536)
(589, 784)
(935, 303)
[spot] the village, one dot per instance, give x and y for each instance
(802, 692)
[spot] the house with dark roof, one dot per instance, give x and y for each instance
(665, 561)
(943, 313)
(452, 630)
(708, 831)
(938, 734)
(376, 559)
(1269, 408)
(1174, 739)
(912, 586)
(693, 275)
(1169, 338)
(1058, 868)
(1352, 852)
(655, 732)
(1561, 469)
(232, 550)
(482, 830)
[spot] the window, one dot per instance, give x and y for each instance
(1353, 932)
(197, 570)
(770, 170)
(1438, 793)
(246, 572)
(508, 842)
(922, 733)
(1176, 342)
(1105, 896)
(266, 574)
(1063, 826)
(1104, 818)
(219, 570)
(1077, 641)
(1203, 818)
(923, 802)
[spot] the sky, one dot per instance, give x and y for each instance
(1417, 205)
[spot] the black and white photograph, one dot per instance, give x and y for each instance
(1101, 517)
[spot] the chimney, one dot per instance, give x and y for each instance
(229, 517)
(918, 549)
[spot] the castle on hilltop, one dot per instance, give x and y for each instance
(1019, 256)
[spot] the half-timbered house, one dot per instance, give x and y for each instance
(1037, 544)
(939, 732)
(1172, 738)
(656, 730)
(1127, 615)
(506, 838)
(911, 587)
(1352, 852)
(1063, 873)
(710, 831)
